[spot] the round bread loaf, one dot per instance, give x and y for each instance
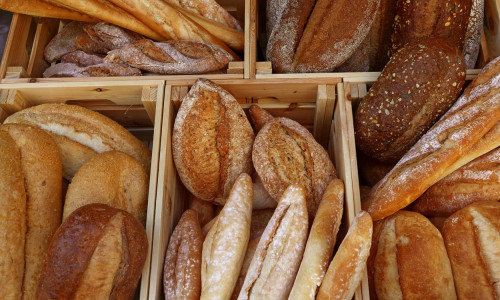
(285, 153)
(113, 178)
(416, 87)
(98, 252)
(211, 141)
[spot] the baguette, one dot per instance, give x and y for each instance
(346, 269)
(320, 243)
(13, 215)
(42, 8)
(42, 169)
(226, 242)
(470, 118)
(182, 267)
(279, 252)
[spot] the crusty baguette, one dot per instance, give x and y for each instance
(13, 215)
(280, 249)
(346, 269)
(320, 243)
(113, 178)
(108, 12)
(84, 126)
(411, 260)
(42, 8)
(98, 252)
(470, 118)
(284, 153)
(182, 267)
(472, 240)
(42, 170)
(225, 245)
(211, 119)
(478, 180)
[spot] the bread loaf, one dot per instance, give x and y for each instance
(380, 35)
(182, 267)
(225, 245)
(44, 9)
(98, 252)
(79, 131)
(320, 243)
(414, 90)
(113, 178)
(204, 209)
(472, 240)
(285, 153)
(346, 269)
(171, 57)
(259, 116)
(472, 40)
(63, 42)
(42, 169)
(100, 70)
(112, 36)
(211, 141)
(411, 260)
(478, 180)
(82, 58)
(13, 216)
(469, 119)
(279, 252)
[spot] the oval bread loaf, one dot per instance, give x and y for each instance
(211, 141)
(417, 86)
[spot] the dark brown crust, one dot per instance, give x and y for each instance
(73, 245)
(380, 35)
(81, 58)
(460, 234)
(430, 18)
(469, 119)
(64, 42)
(184, 256)
(414, 90)
(370, 170)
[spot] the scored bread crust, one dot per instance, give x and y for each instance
(211, 141)
(471, 237)
(284, 152)
(13, 216)
(42, 8)
(469, 119)
(42, 170)
(182, 267)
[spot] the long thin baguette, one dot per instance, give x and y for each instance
(108, 12)
(44, 9)
(469, 119)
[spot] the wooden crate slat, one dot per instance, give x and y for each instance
(45, 30)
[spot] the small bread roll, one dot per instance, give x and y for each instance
(204, 209)
(182, 267)
(113, 178)
(226, 242)
(320, 244)
(280, 249)
(346, 269)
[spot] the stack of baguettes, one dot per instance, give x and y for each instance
(275, 232)
(100, 247)
(202, 21)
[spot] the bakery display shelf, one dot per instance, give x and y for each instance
(312, 103)
(138, 106)
(23, 61)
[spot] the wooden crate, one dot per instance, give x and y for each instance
(490, 46)
(310, 102)
(23, 61)
(136, 105)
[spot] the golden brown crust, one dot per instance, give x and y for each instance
(79, 241)
(84, 126)
(42, 8)
(346, 269)
(182, 267)
(211, 119)
(414, 90)
(259, 116)
(320, 243)
(478, 180)
(42, 170)
(280, 249)
(13, 216)
(411, 260)
(470, 118)
(284, 153)
(225, 245)
(204, 209)
(113, 178)
(471, 238)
